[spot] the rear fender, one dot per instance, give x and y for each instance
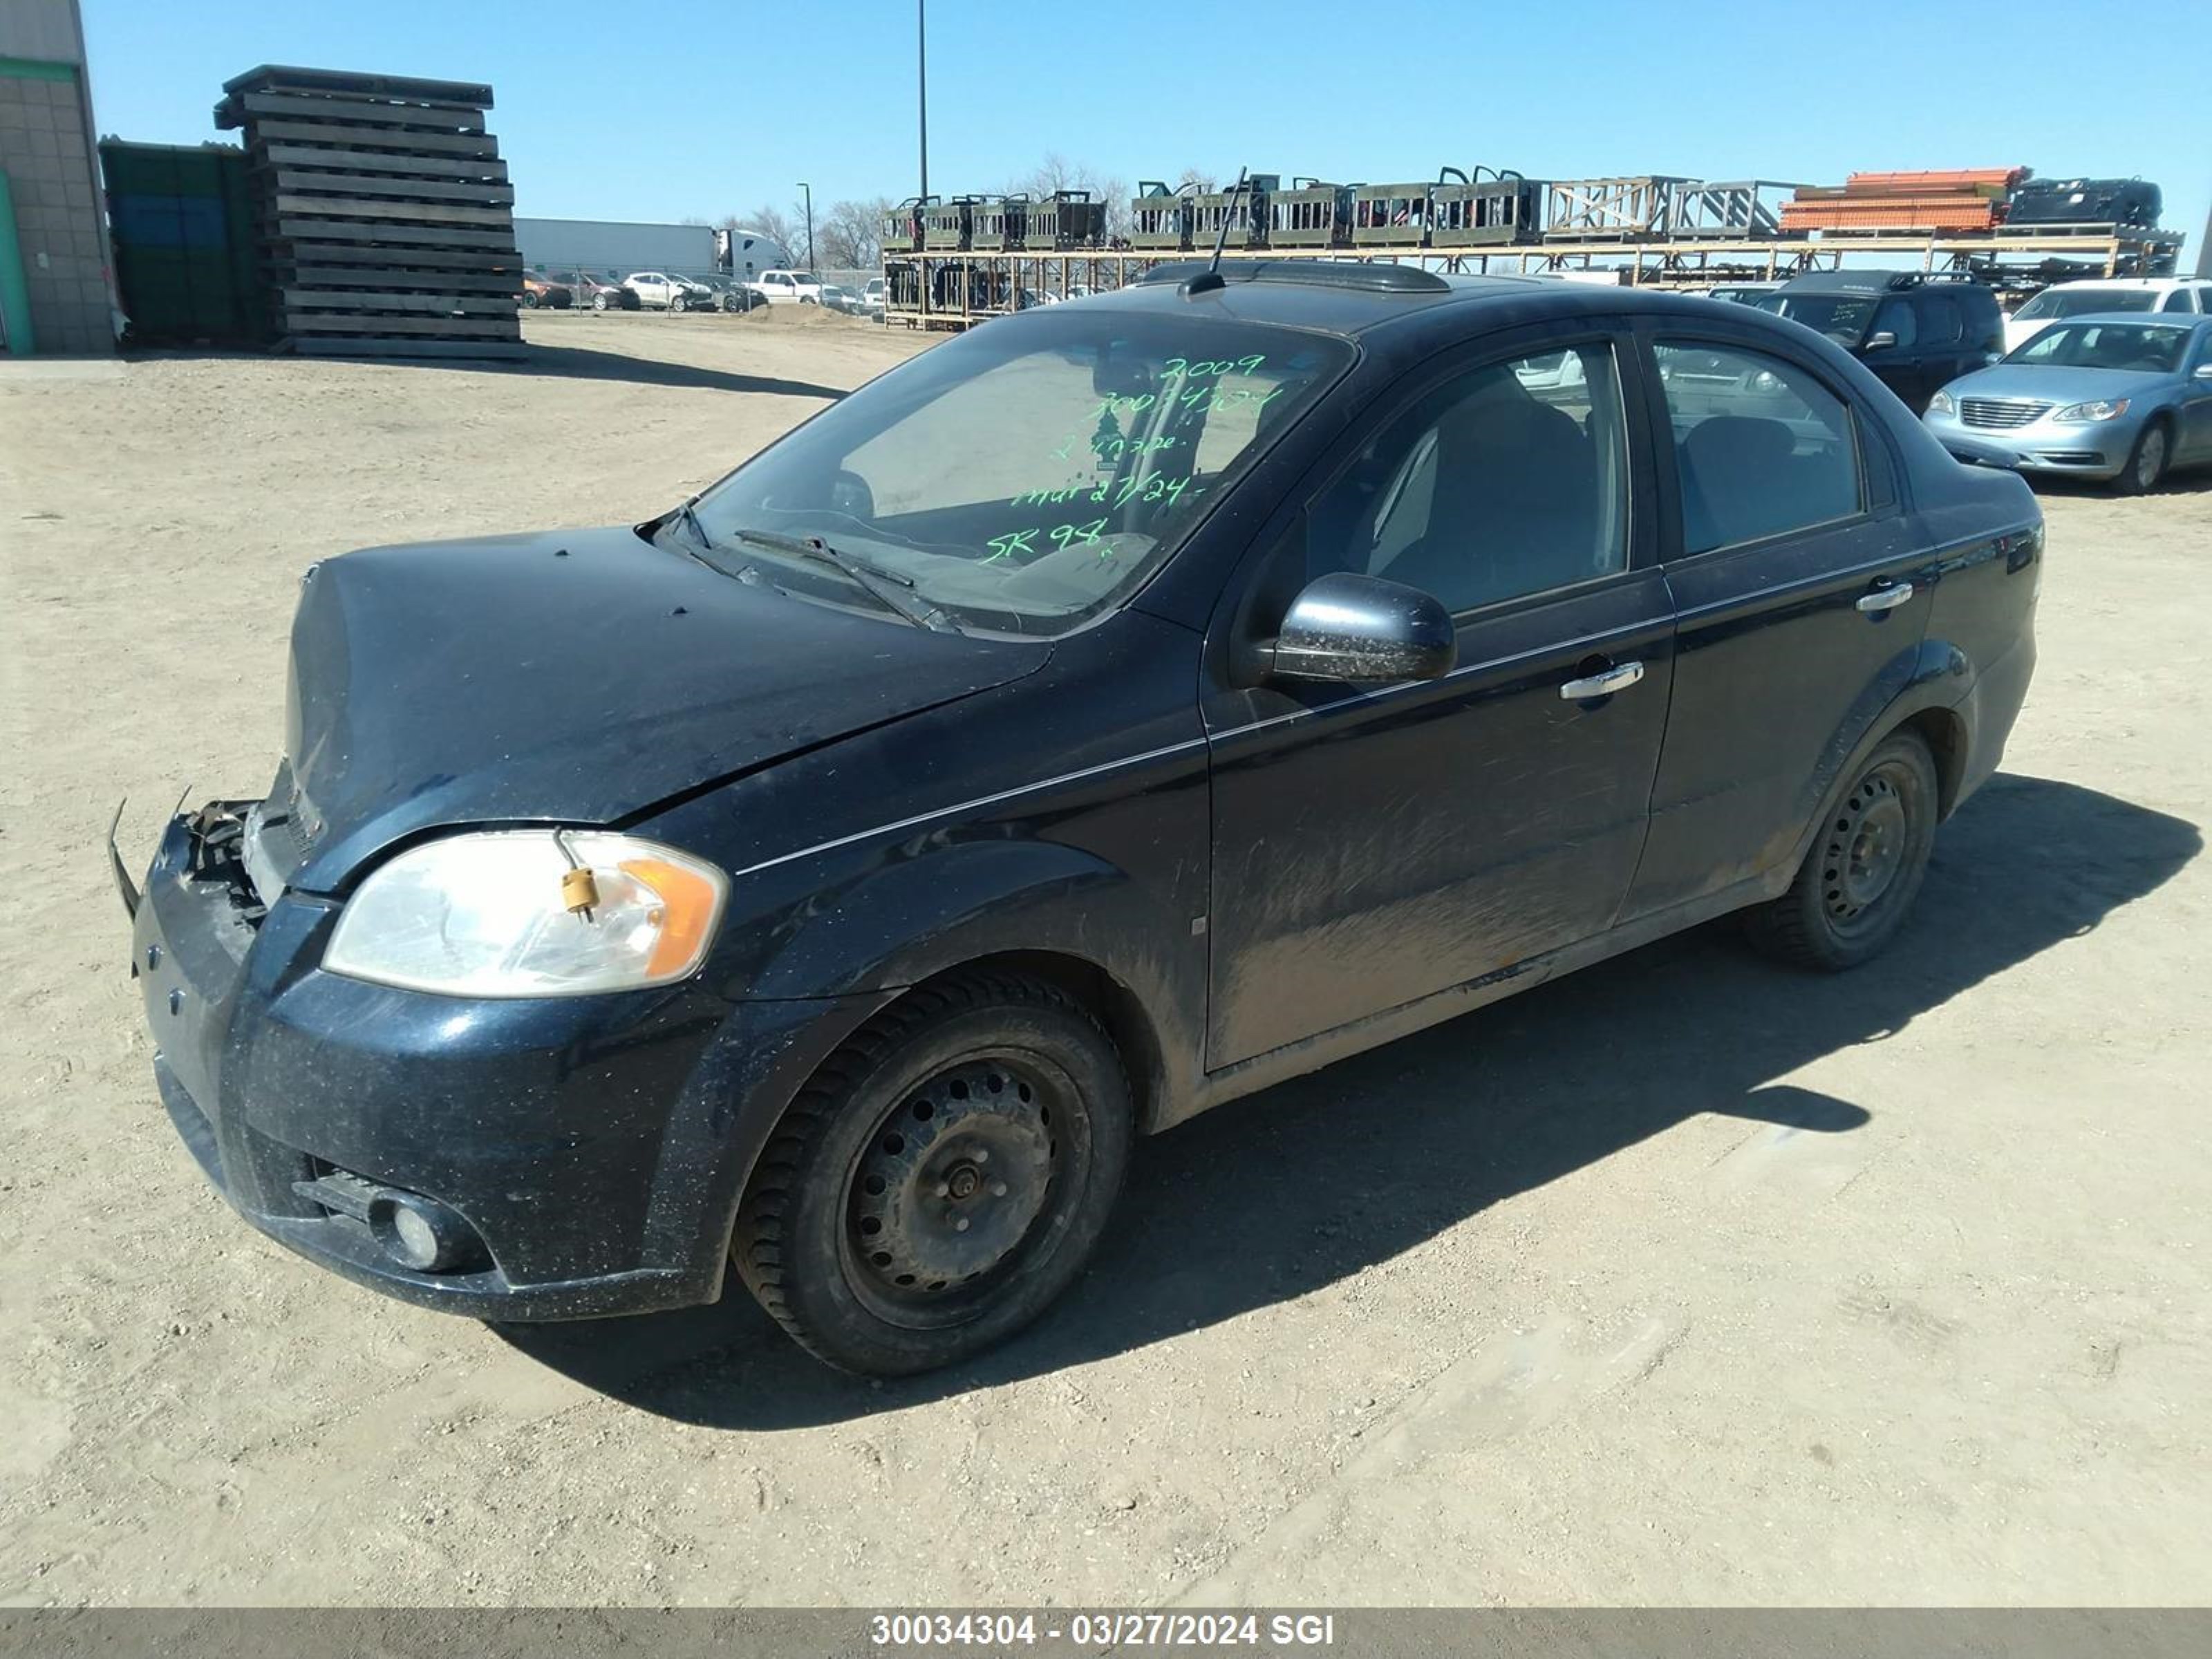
(1936, 682)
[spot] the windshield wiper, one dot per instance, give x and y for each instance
(887, 587)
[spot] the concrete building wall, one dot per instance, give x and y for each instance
(52, 178)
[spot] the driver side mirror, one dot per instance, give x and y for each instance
(1880, 340)
(1365, 630)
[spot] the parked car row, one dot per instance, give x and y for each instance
(2105, 380)
(676, 292)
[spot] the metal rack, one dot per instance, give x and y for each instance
(940, 289)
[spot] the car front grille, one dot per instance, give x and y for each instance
(2000, 412)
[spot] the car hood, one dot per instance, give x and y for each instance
(579, 677)
(2053, 386)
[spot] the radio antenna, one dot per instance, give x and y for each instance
(1210, 279)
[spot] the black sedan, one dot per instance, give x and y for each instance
(1109, 713)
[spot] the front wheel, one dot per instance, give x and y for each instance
(679, 305)
(1865, 867)
(942, 1179)
(600, 302)
(2146, 462)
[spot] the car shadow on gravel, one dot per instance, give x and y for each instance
(545, 361)
(580, 363)
(1281, 1194)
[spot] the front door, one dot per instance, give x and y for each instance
(2194, 439)
(1374, 845)
(1902, 365)
(1803, 592)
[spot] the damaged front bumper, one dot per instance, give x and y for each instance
(592, 1146)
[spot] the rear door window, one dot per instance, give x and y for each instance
(1762, 449)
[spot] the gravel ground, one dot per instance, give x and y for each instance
(1686, 1280)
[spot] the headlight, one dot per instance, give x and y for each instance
(2097, 409)
(498, 915)
(1941, 403)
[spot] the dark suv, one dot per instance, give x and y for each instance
(1917, 333)
(1111, 712)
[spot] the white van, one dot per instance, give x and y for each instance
(2185, 295)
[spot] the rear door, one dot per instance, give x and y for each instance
(1802, 590)
(1374, 845)
(1942, 342)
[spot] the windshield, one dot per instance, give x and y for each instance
(2131, 348)
(2070, 302)
(1842, 316)
(1026, 476)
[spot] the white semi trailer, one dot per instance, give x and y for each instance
(614, 248)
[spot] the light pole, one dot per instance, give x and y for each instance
(808, 189)
(921, 83)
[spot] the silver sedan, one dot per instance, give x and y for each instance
(2121, 397)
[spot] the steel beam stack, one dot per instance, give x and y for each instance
(384, 214)
(1873, 203)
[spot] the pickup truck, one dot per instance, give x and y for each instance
(783, 287)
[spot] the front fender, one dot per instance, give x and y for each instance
(898, 918)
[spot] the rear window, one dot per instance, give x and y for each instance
(2072, 301)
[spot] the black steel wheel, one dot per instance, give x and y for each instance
(1866, 862)
(943, 1178)
(2147, 461)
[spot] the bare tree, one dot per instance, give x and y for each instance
(849, 234)
(1056, 173)
(788, 228)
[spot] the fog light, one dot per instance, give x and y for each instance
(420, 1233)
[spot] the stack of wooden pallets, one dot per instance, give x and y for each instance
(1972, 199)
(385, 217)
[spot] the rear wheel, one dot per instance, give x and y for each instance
(942, 1179)
(1865, 867)
(2146, 461)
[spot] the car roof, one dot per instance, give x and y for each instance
(1318, 294)
(2136, 318)
(2131, 281)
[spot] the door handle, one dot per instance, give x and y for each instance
(1617, 679)
(1886, 598)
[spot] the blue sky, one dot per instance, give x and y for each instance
(630, 111)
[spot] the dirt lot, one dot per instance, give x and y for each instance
(1686, 1280)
